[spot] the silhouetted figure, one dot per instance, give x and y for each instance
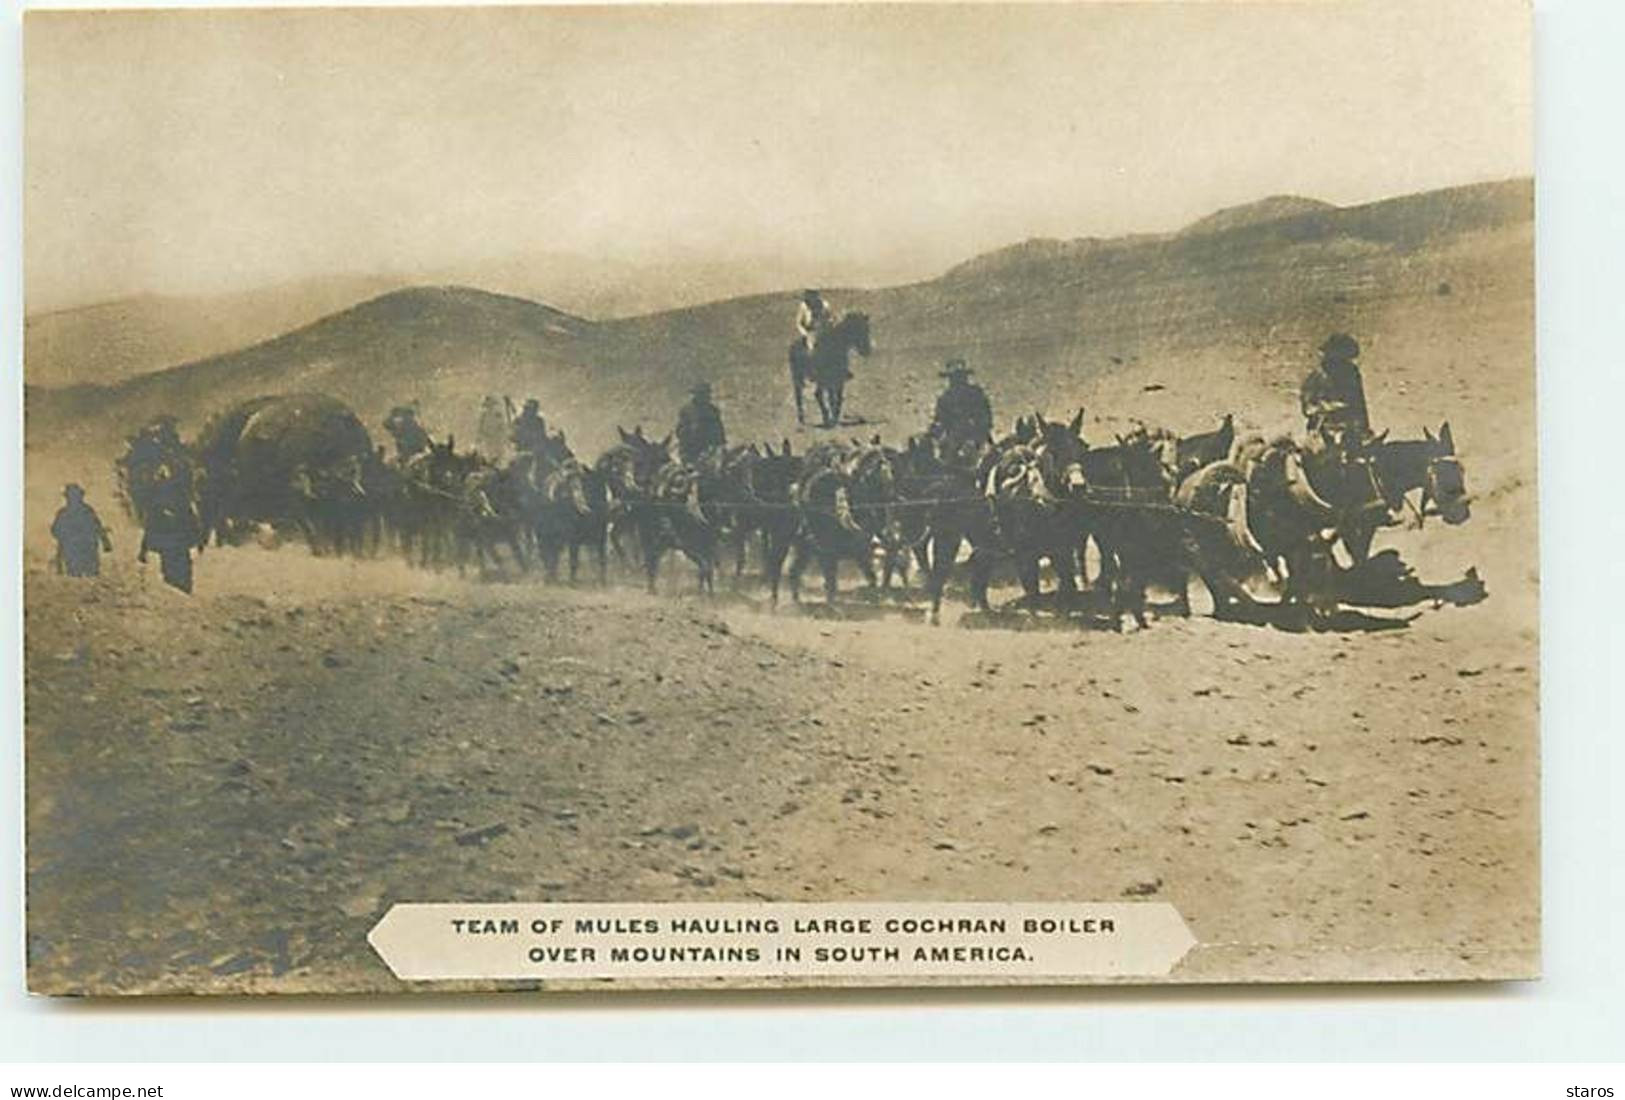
(963, 414)
(496, 419)
(812, 315)
(1333, 395)
(172, 531)
(411, 438)
(530, 429)
(80, 536)
(699, 425)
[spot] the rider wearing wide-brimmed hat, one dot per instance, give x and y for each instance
(529, 431)
(1333, 394)
(699, 425)
(963, 413)
(812, 316)
(80, 535)
(410, 436)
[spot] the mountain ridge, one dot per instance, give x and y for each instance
(1034, 321)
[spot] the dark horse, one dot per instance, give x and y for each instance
(827, 365)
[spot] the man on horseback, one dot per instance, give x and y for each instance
(1333, 397)
(812, 317)
(410, 437)
(699, 426)
(964, 417)
(530, 429)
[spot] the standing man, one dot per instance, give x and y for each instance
(699, 426)
(1333, 396)
(80, 536)
(171, 530)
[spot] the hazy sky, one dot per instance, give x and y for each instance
(195, 151)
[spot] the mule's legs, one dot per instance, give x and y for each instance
(944, 549)
(547, 547)
(776, 546)
(1027, 571)
(651, 562)
(981, 575)
(830, 563)
(1358, 542)
(798, 566)
(1064, 560)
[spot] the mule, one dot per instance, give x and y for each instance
(667, 505)
(1192, 452)
(845, 497)
(1031, 482)
(1371, 486)
(491, 513)
(941, 510)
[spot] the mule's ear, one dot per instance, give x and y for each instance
(768, 447)
(1077, 422)
(625, 435)
(875, 439)
(1039, 421)
(784, 448)
(665, 444)
(1446, 438)
(1427, 433)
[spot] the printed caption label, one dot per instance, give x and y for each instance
(448, 941)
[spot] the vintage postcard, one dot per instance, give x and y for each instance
(627, 497)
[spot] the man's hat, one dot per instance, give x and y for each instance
(954, 368)
(810, 293)
(73, 490)
(532, 403)
(1340, 345)
(700, 388)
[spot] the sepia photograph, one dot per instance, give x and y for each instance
(559, 498)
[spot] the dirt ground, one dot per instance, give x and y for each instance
(226, 791)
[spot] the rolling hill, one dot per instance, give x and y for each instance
(1222, 314)
(109, 342)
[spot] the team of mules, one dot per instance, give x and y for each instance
(1101, 522)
